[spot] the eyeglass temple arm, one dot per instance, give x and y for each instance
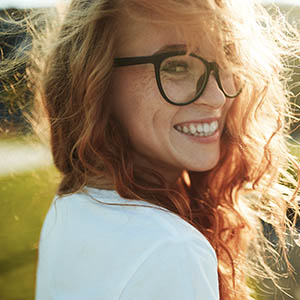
(130, 61)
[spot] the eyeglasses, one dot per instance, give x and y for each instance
(181, 78)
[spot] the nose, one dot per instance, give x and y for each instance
(212, 95)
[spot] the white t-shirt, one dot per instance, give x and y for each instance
(93, 251)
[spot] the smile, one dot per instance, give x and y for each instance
(199, 129)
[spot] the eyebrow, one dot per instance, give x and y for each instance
(171, 47)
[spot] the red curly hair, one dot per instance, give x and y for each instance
(71, 69)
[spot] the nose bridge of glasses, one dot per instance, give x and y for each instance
(212, 67)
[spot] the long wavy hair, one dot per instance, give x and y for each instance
(71, 66)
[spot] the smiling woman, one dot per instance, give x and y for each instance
(167, 121)
(178, 136)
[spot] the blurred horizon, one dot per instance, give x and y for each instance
(41, 3)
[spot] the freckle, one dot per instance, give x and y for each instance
(148, 82)
(144, 87)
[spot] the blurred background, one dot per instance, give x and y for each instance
(28, 179)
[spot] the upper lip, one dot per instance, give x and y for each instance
(204, 120)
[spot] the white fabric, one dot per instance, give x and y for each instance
(92, 251)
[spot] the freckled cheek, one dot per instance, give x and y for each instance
(150, 89)
(144, 87)
(140, 90)
(136, 97)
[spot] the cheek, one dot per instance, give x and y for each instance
(135, 97)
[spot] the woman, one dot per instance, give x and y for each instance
(167, 122)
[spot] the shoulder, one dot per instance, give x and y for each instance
(95, 207)
(89, 214)
(83, 240)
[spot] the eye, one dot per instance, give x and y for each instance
(175, 67)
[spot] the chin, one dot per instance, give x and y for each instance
(203, 165)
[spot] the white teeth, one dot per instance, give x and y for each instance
(206, 127)
(185, 129)
(203, 129)
(199, 128)
(213, 125)
(192, 129)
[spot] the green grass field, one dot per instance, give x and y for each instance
(25, 199)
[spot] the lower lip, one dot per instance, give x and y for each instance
(203, 139)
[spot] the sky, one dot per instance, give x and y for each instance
(39, 3)
(26, 3)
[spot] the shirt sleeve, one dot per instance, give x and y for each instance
(185, 270)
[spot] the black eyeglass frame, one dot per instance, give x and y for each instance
(157, 60)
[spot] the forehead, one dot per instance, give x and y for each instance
(145, 37)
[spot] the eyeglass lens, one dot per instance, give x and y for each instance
(183, 77)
